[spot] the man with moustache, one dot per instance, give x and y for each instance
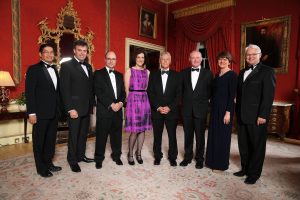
(43, 103)
(255, 94)
(164, 96)
(110, 93)
(77, 93)
(196, 92)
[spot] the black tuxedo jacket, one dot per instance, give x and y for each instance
(105, 94)
(41, 96)
(76, 88)
(255, 95)
(195, 102)
(170, 98)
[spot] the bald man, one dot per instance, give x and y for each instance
(110, 93)
(196, 91)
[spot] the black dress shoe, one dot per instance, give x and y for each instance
(249, 180)
(118, 161)
(75, 168)
(185, 162)
(98, 165)
(240, 173)
(54, 168)
(45, 174)
(199, 165)
(173, 163)
(87, 160)
(157, 161)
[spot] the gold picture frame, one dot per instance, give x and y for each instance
(147, 23)
(273, 37)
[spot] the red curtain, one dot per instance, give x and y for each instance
(215, 28)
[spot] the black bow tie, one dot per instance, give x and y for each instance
(82, 63)
(249, 67)
(195, 69)
(49, 66)
(164, 72)
(111, 71)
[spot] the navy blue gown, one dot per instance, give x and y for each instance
(219, 134)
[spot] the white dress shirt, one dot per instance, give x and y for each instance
(164, 79)
(112, 80)
(83, 67)
(52, 75)
(194, 77)
(247, 72)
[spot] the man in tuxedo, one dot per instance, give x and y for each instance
(110, 93)
(77, 94)
(164, 96)
(255, 94)
(42, 101)
(196, 92)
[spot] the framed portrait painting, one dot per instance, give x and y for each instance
(147, 23)
(273, 37)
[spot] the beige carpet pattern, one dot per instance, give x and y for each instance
(280, 178)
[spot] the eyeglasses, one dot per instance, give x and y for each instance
(111, 59)
(254, 54)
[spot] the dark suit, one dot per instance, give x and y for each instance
(108, 121)
(42, 99)
(194, 111)
(254, 99)
(170, 98)
(77, 93)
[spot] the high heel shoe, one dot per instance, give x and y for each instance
(139, 158)
(130, 158)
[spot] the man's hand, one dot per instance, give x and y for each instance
(73, 114)
(227, 118)
(261, 121)
(32, 119)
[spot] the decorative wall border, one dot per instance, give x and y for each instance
(16, 40)
(107, 26)
(203, 7)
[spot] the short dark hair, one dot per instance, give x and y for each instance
(80, 42)
(137, 52)
(43, 46)
(225, 54)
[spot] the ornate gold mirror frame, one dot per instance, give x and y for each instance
(67, 28)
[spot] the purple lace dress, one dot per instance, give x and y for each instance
(138, 112)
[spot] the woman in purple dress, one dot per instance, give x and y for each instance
(138, 113)
(222, 109)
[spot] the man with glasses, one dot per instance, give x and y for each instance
(43, 103)
(255, 94)
(110, 92)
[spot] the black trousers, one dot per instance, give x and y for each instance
(252, 147)
(78, 130)
(191, 126)
(113, 128)
(158, 127)
(43, 141)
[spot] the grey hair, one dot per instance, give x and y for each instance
(165, 53)
(253, 46)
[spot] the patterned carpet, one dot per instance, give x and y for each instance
(280, 178)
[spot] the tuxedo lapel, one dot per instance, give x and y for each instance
(159, 81)
(109, 84)
(255, 71)
(168, 81)
(47, 75)
(201, 75)
(79, 68)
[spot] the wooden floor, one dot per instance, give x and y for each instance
(11, 151)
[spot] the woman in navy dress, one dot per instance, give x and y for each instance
(219, 132)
